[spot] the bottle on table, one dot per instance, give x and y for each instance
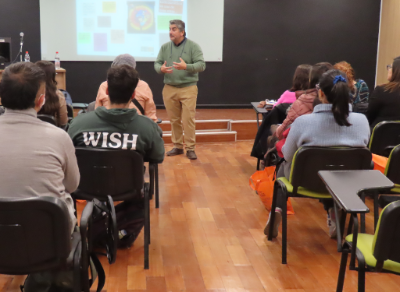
(27, 57)
(57, 62)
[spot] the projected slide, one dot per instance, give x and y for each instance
(107, 28)
(99, 30)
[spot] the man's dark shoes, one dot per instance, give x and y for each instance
(191, 154)
(175, 151)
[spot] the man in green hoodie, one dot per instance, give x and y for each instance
(180, 61)
(119, 127)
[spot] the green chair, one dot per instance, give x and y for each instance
(375, 253)
(392, 171)
(385, 136)
(305, 182)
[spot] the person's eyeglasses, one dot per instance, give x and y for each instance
(317, 86)
(388, 67)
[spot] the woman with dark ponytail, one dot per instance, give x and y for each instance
(332, 123)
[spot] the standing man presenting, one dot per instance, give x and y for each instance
(180, 61)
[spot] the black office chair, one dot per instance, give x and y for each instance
(36, 237)
(385, 136)
(375, 253)
(304, 180)
(48, 119)
(115, 173)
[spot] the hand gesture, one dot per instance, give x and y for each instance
(181, 65)
(165, 69)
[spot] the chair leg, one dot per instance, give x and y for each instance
(342, 271)
(151, 175)
(361, 275)
(272, 213)
(258, 163)
(157, 187)
(284, 231)
(146, 229)
(362, 216)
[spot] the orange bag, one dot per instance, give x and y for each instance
(379, 162)
(263, 182)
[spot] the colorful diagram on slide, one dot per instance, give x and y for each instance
(113, 27)
(141, 17)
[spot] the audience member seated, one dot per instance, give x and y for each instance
(384, 103)
(118, 126)
(37, 159)
(55, 104)
(300, 82)
(359, 92)
(278, 113)
(331, 124)
(143, 92)
(305, 98)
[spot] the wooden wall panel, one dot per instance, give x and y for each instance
(389, 38)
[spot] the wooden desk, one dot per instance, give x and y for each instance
(60, 78)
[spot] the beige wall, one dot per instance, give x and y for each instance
(389, 38)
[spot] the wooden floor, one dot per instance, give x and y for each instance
(208, 236)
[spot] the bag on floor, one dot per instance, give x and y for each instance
(379, 162)
(263, 182)
(129, 222)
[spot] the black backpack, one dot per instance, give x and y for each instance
(124, 222)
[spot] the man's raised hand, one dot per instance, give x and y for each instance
(181, 65)
(165, 69)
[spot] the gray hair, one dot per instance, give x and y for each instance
(179, 24)
(124, 59)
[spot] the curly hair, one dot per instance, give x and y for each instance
(349, 71)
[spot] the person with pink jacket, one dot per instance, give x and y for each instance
(304, 103)
(300, 79)
(300, 82)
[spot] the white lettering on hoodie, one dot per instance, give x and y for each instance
(110, 140)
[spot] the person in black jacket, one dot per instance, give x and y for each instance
(384, 102)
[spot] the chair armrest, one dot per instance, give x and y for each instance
(354, 222)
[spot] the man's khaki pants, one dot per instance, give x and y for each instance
(180, 104)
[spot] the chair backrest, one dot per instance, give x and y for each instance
(118, 173)
(70, 111)
(309, 160)
(35, 234)
(392, 170)
(385, 136)
(387, 236)
(48, 119)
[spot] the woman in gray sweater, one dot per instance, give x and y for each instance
(332, 123)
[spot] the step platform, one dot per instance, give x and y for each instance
(225, 130)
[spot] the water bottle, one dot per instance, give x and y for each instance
(57, 62)
(27, 57)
